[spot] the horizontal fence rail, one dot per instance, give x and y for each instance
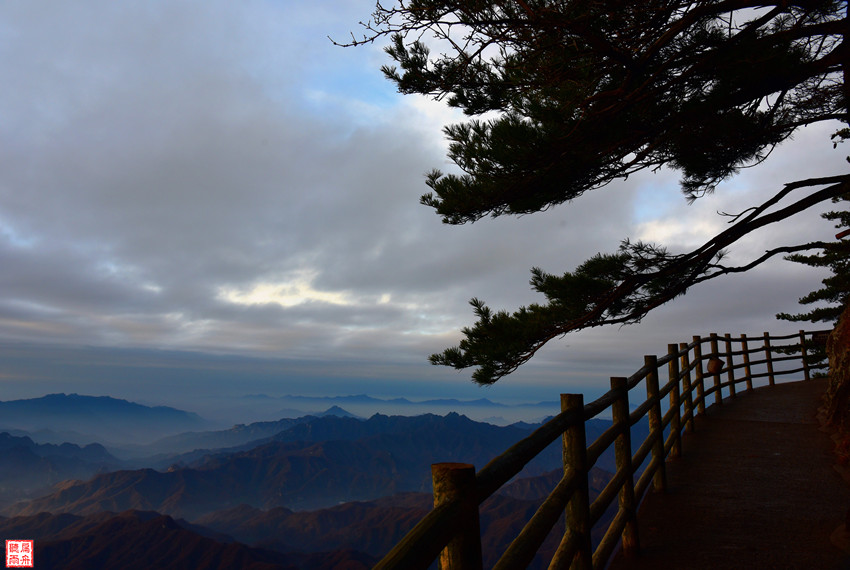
(708, 368)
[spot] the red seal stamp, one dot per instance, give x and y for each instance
(19, 554)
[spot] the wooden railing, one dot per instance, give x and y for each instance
(695, 373)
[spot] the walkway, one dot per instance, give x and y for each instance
(755, 488)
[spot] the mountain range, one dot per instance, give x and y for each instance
(311, 465)
(261, 407)
(374, 527)
(137, 540)
(96, 418)
(353, 535)
(29, 469)
(237, 435)
(312, 492)
(365, 399)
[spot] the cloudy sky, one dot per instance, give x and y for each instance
(209, 197)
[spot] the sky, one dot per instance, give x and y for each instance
(210, 199)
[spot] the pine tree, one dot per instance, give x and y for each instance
(834, 296)
(586, 92)
(836, 288)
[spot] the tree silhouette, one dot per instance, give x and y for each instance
(585, 92)
(834, 295)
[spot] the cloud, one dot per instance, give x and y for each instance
(219, 177)
(290, 293)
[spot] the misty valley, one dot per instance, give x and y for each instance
(99, 482)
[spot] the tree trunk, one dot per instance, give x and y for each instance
(838, 393)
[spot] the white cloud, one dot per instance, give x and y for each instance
(678, 231)
(293, 291)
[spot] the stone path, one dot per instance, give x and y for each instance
(756, 487)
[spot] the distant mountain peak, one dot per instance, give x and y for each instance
(336, 411)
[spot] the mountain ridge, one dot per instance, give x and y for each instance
(140, 540)
(367, 399)
(104, 418)
(312, 465)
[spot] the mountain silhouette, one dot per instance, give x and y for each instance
(102, 417)
(29, 469)
(236, 436)
(311, 465)
(138, 540)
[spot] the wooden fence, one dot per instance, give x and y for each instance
(695, 373)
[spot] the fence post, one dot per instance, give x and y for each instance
(730, 365)
(769, 358)
(747, 370)
(718, 390)
(675, 401)
(686, 387)
(456, 482)
(699, 374)
(623, 458)
(577, 528)
(656, 429)
(803, 355)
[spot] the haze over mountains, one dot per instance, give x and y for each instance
(304, 492)
(29, 469)
(64, 416)
(259, 407)
(313, 464)
(57, 418)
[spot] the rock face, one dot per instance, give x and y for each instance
(838, 394)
